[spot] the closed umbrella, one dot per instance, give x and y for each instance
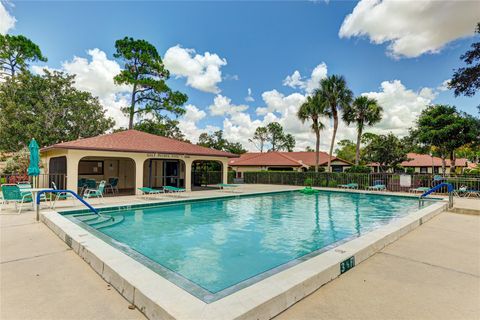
(33, 169)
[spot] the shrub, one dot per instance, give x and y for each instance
(358, 169)
(308, 182)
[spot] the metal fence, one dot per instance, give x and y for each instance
(42, 181)
(364, 180)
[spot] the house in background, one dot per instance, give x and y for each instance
(284, 161)
(424, 163)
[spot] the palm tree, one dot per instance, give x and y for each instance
(364, 111)
(337, 96)
(313, 109)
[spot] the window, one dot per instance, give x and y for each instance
(90, 167)
(423, 170)
(337, 168)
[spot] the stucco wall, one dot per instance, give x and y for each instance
(74, 156)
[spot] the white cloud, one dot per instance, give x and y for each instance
(444, 85)
(96, 76)
(412, 28)
(278, 102)
(401, 106)
(295, 80)
(223, 105)
(249, 97)
(7, 21)
(188, 123)
(202, 71)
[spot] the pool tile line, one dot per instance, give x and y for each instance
(158, 298)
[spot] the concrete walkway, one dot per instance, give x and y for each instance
(431, 273)
(42, 278)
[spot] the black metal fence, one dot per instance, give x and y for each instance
(392, 181)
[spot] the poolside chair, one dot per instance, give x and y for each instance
(473, 193)
(378, 186)
(348, 186)
(112, 185)
(461, 192)
(173, 190)
(419, 189)
(12, 193)
(95, 193)
(146, 191)
(81, 185)
(60, 196)
(226, 187)
(25, 187)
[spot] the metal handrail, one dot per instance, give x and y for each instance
(436, 188)
(63, 191)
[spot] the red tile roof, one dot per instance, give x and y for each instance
(138, 141)
(425, 160)
(290, 159)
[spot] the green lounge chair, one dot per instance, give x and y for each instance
(12, 193)
(60, 196)
(146, 191)
(173, 190)
(378, 187)
(226, 187)
(419, 189)
(348, 186)
(95, 193)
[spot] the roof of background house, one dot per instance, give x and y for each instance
(290, 159)
(138, 141)
(425, 160)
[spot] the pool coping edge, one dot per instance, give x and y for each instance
(158, 298)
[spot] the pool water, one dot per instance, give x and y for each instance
(218, 243)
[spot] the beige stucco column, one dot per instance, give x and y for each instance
(138, 174)
(225, 171)
(73, 158)
(188, 174)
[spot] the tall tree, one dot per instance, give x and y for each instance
(346, 150)
(466, 80)
(313, 109)
(145, 73)
(278, 139)
(386, 150)
(443, 127)
(364, 111)
(16, 52)
(260, 137)
(288, 143)
(218, 142)
(161, 126)
(338, 96)
(48, 108)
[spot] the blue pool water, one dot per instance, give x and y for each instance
(218, 243)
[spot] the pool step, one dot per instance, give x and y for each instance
(109, 223)
(99, 221)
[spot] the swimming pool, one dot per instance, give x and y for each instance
(214, 247)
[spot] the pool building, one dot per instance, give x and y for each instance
(132, 159)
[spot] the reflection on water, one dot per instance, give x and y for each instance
(221, 242)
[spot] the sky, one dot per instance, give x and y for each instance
(245, 64)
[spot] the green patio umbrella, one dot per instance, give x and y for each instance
(33, 169)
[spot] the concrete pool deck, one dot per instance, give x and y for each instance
(432, 272)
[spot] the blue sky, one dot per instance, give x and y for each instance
(262, 43)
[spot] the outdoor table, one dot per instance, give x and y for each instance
(34, 192)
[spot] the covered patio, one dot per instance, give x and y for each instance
(129, 160)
